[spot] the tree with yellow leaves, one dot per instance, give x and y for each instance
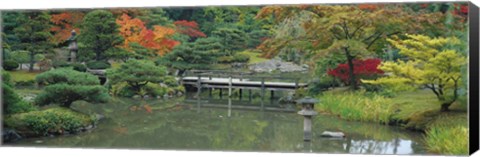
(432, 63)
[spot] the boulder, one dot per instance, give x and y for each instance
(99, 117)
(10, 135)
(277, 64)
(332, 134)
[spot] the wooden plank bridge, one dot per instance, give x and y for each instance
(238, 80)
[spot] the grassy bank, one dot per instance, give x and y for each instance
(445, 132)
(254, 57)
(23, 76)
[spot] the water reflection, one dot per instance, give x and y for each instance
(227, 124)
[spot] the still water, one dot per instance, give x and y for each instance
(229, 125)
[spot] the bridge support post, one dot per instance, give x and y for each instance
(263, 94)
(240, 93)
(250, 95)
(272, 94)
(199, 86)
(220, 93)
(229, 86)
(263, 87)
(210, 93)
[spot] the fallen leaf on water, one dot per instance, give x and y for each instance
(121, 130)
(133, 108)
(147, 108)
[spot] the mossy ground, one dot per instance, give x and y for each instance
(22, 75)
(254, 57)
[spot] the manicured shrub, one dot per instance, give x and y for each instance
(98, 65)
(60, 64)
(65, 85)
(79, 67)
(225, 59)
(241, 58)
(10, 65)
(137, 74)
(153, 89)
(50, 121)
(25, 83)
(322, 84)
(170, 81)
(12, 103)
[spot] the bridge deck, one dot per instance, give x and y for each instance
(244, 83)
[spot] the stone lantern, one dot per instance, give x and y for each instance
(307, 112)
(73, 47)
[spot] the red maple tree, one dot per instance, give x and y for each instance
(158, 39)
(189, 28)
(64, 23)
(362, 69)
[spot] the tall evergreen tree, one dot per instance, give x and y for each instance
(99, 34)
(33, 34)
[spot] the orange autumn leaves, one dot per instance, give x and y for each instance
(64, 23)
(158, 38)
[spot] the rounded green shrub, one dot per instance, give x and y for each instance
(50, 121)
(170, 81)
(79, 67)
(98, 65)
(225, 59)
(25, 83)
(60, 64)
(241, 58)
(10, 65)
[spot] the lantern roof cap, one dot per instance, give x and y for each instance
(307, 100)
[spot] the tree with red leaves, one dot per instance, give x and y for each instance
(157, 39)
(189, 28)
(363, 69)
(64, 23)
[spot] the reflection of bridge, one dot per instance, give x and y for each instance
(238, 80)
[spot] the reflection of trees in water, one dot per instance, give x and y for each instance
(245, 130)
(367, 146)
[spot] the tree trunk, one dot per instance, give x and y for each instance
(97, 56)
(32, 61)
(445, 106)
(353, 80)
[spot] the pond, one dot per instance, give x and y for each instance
(225, 124)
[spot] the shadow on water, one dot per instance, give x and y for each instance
(228, 124)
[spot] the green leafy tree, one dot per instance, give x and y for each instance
(137, 74)
(433, 63)
(197, 55)
(33, 34)
(233, 39)
(346, 29)
(99, 34)
(65, 85)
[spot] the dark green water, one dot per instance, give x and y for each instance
(188, 125)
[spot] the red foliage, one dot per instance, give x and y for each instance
(424, 5)
(63, 24)
(460, 9)
(370, 7)
(362, 69)
(189, 28)
(158, 39)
